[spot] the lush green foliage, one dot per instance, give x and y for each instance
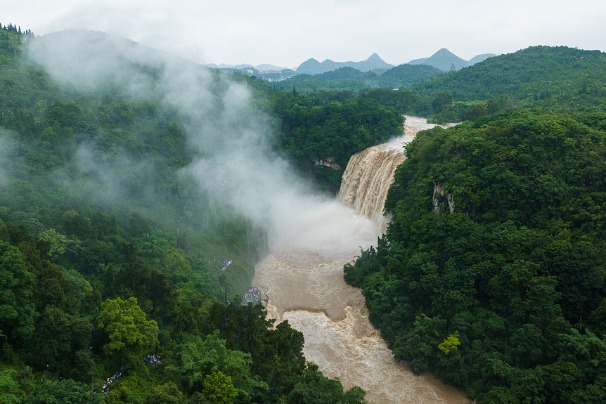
(547, 77)
(107, 253)
(505, 295)
(329, 126)
(129, 333)
(218, 388)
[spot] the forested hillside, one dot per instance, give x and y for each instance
(492, 272)
(116, 262)
(320, 132)
(539, 76)
(559, 78)
(347, 78)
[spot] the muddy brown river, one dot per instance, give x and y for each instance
(301, 281)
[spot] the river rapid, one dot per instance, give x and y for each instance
(301, 281)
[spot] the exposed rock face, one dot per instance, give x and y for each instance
(328, 162)
(441, 195)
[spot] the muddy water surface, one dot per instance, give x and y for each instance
(302, 282)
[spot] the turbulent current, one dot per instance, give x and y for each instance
(301, 281)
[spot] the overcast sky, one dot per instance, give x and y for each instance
(288, 32)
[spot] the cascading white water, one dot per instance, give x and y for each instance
(367, 178)
(302, 282)
(370, 173)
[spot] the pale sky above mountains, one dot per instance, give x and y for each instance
(287, 32)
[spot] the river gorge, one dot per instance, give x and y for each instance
(301, 281)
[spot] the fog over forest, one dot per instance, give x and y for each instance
(172, 233)
(233, 165)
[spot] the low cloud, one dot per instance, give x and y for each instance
(234, 166)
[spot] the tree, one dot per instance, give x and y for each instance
(129, 332)
(56, 243)
(314, 387)
(450, 343)
(201, 357)
(61, 344)
(17, 311)
(441, 101)
(63, 391)
(10, 392)
(167, 393)
(219, 389)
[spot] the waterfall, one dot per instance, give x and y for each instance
(370, 173)
(367, 179)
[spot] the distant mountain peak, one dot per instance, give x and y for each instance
(445, 60)
(312, 66)
(444, 51)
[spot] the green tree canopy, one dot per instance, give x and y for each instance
(127, 328)
(201, 357)
(63, 391)
(218, 388)
(17, 312)
(492, 271)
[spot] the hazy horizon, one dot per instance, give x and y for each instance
(287, 34)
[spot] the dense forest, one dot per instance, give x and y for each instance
(492, 272)
(121, 276)
(547, 77)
